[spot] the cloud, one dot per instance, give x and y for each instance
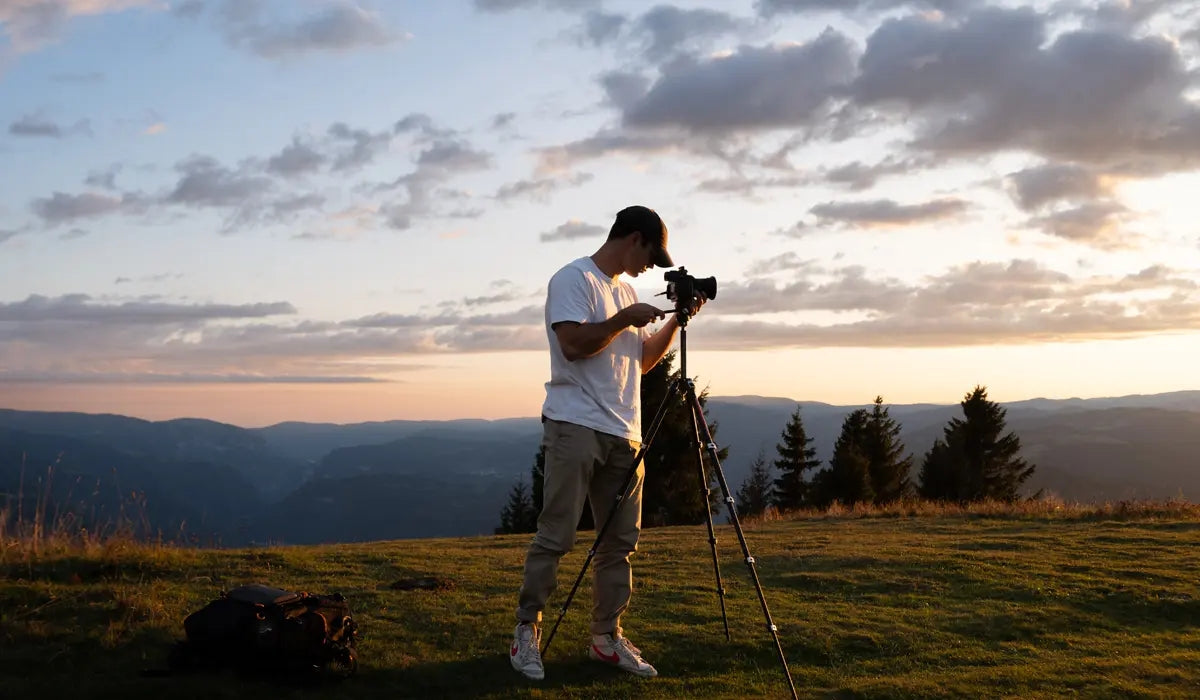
(1035, 187)
(53, 377)
(61, 207)
(1094, 223)
(555, 159)
(746, 186)
(785, 262)
(35, 126)
(31, 24)
(9, 233)
(364, 146)
(539, 189)
(753, 88)
(574, 229)
(1010, 302)
(82, 308)
(155, 129)
(886, 212)
(295, 159)
(204, 182)
(661, 33)
(1014, 302)
(341, 27)
(997, 80)
(439, 162)
(771, 8)
(859, 176)
(508, 5)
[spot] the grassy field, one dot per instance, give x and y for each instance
(894, 605)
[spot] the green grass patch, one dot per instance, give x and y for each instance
(955, 605)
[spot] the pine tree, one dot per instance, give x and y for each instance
(518, 514)
(796, 457)
(883, 449)
(672, 493)
(847, 479)
(757, 491)
(976, 461)
(941, 470)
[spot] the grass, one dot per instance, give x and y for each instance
(902, 602)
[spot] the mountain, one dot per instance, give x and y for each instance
(102, 487)
(309, 442)
(318, 482)
(1084, 449)
(188, 439)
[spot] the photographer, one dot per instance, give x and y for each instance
(599, 348)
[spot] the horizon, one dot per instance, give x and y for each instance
(348, 210)
(156, 419)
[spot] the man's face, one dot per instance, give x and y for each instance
(637, 255)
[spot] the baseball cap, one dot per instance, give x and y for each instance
(646, 221)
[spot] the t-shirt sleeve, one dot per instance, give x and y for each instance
(567, 298)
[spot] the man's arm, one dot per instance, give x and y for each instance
(582, 340)
(656, 346)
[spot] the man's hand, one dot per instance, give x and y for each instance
(638, 315)
(697, 302)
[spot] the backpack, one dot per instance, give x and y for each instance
(259, 629)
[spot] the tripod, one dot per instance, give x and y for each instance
(685, 388)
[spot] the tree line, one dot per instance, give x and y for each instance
(975, 459)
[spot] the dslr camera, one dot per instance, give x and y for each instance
(683, 289)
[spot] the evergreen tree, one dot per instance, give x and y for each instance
(796, 456)
(941, 469)
(847, 479)
(883, 449)
(757, 491)
(672, 493)
(518, 515)
(976, 460)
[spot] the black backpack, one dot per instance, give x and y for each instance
(259, 629)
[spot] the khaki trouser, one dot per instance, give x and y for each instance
(581, 462)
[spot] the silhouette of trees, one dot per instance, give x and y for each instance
(518, 515)
(847, 479)
(795, 457)
(884, 450)
(672, 493)
(975, 460)
(868, 463)
(757, 491)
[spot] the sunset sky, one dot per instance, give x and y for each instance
(265, 210)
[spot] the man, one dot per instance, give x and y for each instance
(599, 348)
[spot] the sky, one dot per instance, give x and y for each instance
(257, 211)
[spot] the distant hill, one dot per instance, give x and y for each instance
(321, 482)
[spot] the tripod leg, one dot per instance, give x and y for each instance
(707, 493)
(698, 410)
(672, 392)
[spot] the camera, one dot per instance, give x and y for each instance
(683, 289)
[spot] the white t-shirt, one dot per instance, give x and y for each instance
(602, 392)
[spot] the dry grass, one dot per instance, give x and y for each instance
(1048, 508)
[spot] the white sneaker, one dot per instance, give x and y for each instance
(618, 651)
(524, 653)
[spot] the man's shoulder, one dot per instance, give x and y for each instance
(577, 269)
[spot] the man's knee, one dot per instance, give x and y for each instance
(553, 543)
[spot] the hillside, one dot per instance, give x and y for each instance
(310, 483)
(1046, 605)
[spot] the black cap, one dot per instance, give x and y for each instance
(647, 222)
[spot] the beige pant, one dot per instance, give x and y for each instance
(581, 462)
